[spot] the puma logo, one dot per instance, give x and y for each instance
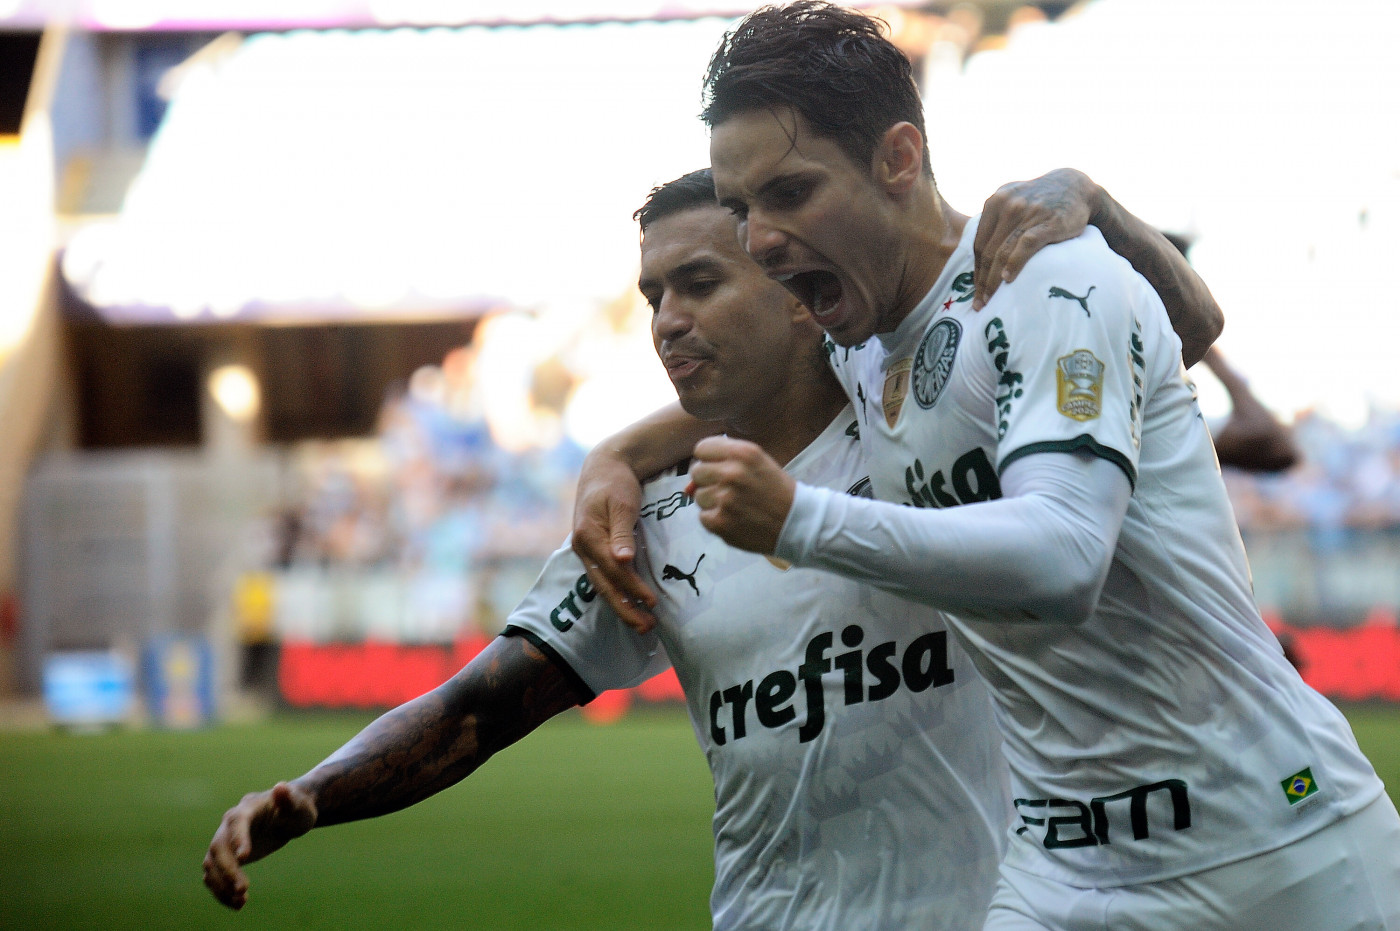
(1082, 301)
(671, 573)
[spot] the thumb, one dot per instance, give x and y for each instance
(294, 811)
(620, 539)
(282, 801)
(290, 808)
(711, 448)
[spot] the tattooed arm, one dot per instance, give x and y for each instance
(1023, 217)
(408, 754)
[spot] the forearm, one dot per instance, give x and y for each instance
(1194, 313)
(440, 738)
(1041, 553)
(657, 441)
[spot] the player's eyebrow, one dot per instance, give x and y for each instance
(782, 180)
(697, 266)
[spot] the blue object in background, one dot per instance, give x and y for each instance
(88, 688)
(179, 679)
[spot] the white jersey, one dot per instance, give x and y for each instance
(1167, 733)
(858, 777)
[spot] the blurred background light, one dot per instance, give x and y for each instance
(1266, 129)
(236, 390)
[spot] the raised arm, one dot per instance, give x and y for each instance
(609, 496)
(1252, 439)
(408, 754)
(1024, 217)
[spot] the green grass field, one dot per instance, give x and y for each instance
(577, 827)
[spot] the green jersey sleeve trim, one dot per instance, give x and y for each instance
(1083, 441)
(574, 678)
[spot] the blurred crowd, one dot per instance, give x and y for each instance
(1346, 483)
(435, 526)
(433, 490)
(442, 518)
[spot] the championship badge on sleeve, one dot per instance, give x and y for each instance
(1079, 378)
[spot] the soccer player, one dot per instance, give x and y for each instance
(1170, 768)
(858, 776)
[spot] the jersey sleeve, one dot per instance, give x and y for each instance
(1066, 341)
(563, 615)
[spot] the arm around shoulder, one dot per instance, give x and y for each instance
(609, 497)
(1196, 317)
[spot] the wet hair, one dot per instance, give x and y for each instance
(832, 65)
(696, 189)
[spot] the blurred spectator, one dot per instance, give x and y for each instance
(441, 516)
(1346, 481)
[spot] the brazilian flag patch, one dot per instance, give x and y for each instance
(1299, 786)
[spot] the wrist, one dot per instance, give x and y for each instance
(802, 528)
(1103, 209)
(310, 791)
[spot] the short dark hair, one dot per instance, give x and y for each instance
(696, 189)
(831, 64)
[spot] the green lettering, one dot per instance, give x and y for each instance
(771, 699)
(716, 731)
(926, 662)
(884, 671)
(1137, 808)
(738, 697)
(974, 478)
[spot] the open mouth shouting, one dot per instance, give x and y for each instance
(821, 291)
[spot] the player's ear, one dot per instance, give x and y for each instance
(898, 161)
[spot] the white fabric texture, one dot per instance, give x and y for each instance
(1042, 552)
(858, 776)
(1164, 733)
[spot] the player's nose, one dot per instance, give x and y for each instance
(672, 318)
(763, 241)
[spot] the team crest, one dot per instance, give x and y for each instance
(933, 363)
(1079, 377)
(896, 387)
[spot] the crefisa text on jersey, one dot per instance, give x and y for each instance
(923, 665)
(583, 592)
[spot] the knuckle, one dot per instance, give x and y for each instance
(1015, 200)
